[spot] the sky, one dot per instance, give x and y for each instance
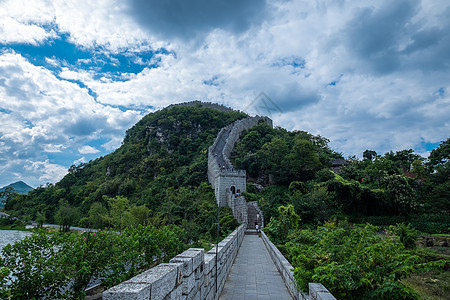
(76, 74)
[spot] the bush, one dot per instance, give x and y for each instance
(405, 233)
(57, 265)
(354, 263)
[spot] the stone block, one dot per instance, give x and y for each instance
(125, 291)
(187, 264)
(194, 295)
(318, 292)
(210, 262)
(175, 294)
(179, 271)
(197, 255)
(188, 284)
(162, 279)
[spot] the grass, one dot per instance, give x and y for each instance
(433, 285)
(13, 227)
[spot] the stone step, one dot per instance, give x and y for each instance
(251, 232)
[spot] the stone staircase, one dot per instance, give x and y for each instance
(252, 218)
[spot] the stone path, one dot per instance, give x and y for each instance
(253, 274)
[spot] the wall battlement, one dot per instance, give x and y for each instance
(221, 173)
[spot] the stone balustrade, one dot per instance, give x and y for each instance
(189, 275)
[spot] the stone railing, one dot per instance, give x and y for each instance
(192, 274)
(316, 290)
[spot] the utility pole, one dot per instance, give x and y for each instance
(217, 243)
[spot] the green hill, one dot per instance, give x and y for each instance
(162, 164)
(19, 187)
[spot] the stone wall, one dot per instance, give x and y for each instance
(316, 290)
(221, 173)
(189, 275)
(238, 206)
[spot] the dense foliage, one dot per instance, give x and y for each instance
(355, 263)
(279, 156)
(55, 265)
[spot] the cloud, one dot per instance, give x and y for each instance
(87, 150)
(54, 148)
(79, 161)
(22, 20)
(44, 119)
(47, 171)
(186, 20)
(399, 35)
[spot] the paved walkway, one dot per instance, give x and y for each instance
(253, 274)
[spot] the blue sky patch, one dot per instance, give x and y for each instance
(293, 61)
(431, 146)
(212, 82)
(5, 110)
(60, 52)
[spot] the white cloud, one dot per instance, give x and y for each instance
(43, 114)
(46, 171)
(88, 150)
(54, 148)
(79, 161)
(22, 20)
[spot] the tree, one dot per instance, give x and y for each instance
(354, 263)
(40, 218)
(97, 215)
(7, 194)
(440, 156)
(274, 153)
(137, 215)
(303, 160)
(66, 215)
(117, 208)
(400, 195)
(369, 154)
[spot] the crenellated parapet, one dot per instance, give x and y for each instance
(221, 173)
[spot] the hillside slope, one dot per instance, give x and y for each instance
(163, 156)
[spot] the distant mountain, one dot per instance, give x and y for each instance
(19, 187)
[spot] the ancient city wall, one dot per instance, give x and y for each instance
(221, 173)
(189, 275)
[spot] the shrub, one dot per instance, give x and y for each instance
(354, 263)
(405, 233)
